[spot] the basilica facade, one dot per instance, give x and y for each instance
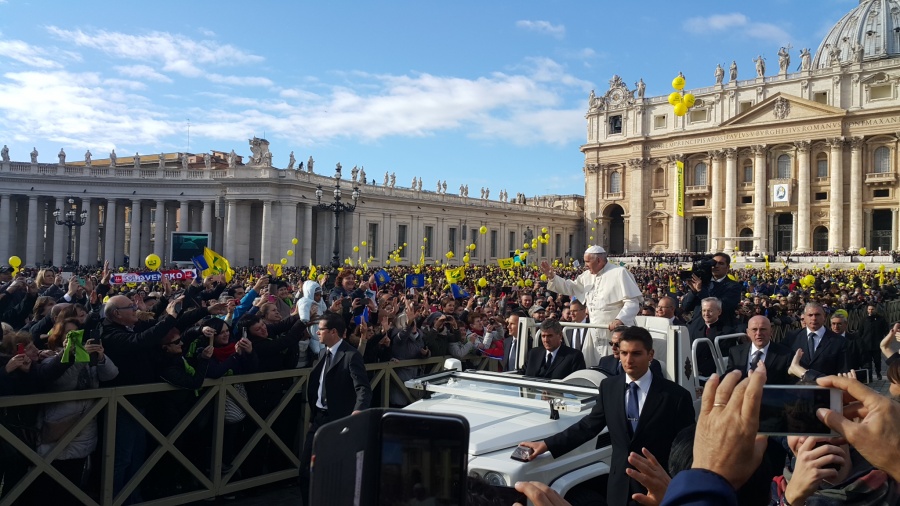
(800, 160)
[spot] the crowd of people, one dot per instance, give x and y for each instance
(77, 330)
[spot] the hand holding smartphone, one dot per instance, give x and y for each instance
(790, 410)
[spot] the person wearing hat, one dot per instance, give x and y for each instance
(538, 313)
(612, 297)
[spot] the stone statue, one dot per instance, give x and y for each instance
(267, 159)
(467, 191)
(760, 66)
(419, 187)
(733, 71)
(462, 191)
(291, 161)
(4, 153)
(413, 184)
(482, 193)
(260, 155)
(487, 193)
(87, 158)
(438, 186)
(834, 57)
(207, 161)
(720, 73)
(804, 58)
(232, 159)
(444, 187)
(362, 174)
(309, 164)
(184, 161)
(857, 51)
(136, 160)
(641, 87)
(162, 160)
(385, 179)
(354, 173)
(393, 179)
(591, 98)
(784, 59)
(113, 159)
(62, 156)
(34, 155)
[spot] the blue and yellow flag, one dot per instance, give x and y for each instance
(505, 263)
(415, 280)
(217, 265)
(455, 275)
(672, 287)
(458, 292)
(422, 258)
(382, 277)
(275, 269)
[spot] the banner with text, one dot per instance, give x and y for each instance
(680, 189)
(152, 277)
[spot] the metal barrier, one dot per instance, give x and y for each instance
(217, 480)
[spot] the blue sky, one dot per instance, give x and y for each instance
(484, 93)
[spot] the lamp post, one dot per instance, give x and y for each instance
(70, 220)
(337, 207)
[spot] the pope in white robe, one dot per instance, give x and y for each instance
(610, 293)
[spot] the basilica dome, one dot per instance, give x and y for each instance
(871, 31)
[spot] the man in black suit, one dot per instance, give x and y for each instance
(777, 357)
(665, 308)
(579, 314)
(720, 286)
(338, 386)
(709, 325)
(610, 364)
(857, 349)
(553, 360)
(823, 351)
(640, 409)
(511, 353)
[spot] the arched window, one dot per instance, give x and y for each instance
(784, 167)
(746, 246)
(747, 171)
(659, 179)
(821, 165)
(882, 160)
(700, 174)
(820, 239)
(615, 182)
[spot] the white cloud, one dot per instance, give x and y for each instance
(143, 72)
(737, 24)
(23, 52)
(544, 27)
(238, 80)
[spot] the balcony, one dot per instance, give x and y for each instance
(697, 190)
(747, 185)
(613, 196)
(660, 192)
(881, 178)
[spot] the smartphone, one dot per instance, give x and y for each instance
(423, 456)
(509, 495)
(862, 375)
(20, 349)
(790, 410)
(521, 453)
(81, 281)
(271, 298)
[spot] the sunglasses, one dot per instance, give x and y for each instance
(174, 343)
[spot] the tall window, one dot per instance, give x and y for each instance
(372, 240)
(882, 160)
(558, 246)
(615, 182)
(493, 243)
(747, 169)
(700, 174)
(659, 179)
(784, 167)
(402, 238)
(451, 239)
(512, 241)
(822, 165)
(615, 124)
(429, 234)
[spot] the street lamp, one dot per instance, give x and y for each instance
(70, 220)
(337, 207)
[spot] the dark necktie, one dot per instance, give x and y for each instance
(325, 370)
(547, 363)
(812, 344)
(632, 411)
(513, 356)
(755, 360)
(618, 368)
(576, 339)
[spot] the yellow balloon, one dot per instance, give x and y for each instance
(543, 277)
(862, 251)
(861, 267)
(482, 230)
(472, 247)
(404, 245)
(680, 109)
(121, 269)
(689, 100)
(520, 283)
(529, 282)
(526, 246)
(387, 262)
(544, 230)
(678, 83)
(482, 282)
(358, 272)
(417, 270)
(294, 241)
(15, 262)
(674, 98)
(518, 252)
(284, 261)
(355, 249)
(290, 252)
(591, 238)
(364, 243)
(152, 261)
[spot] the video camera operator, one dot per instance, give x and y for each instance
(709, 278)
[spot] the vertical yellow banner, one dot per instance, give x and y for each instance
(680, 188)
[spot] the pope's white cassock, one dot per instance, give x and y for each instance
(611, 294)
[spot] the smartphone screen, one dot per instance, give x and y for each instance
(20, 349)
(423, 458)
(509, 495)
(862, 375)
(791, 410)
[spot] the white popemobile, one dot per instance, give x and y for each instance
(505, 409)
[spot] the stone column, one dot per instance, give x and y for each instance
(267, 238)
(715, 229)
(171, 222)
(306, 240)
(94, 233)
(109, 242)
(230, 230)
(634, 186)
(87, 234)
(134, 253)
(677, 238)
(288, 231)
(867, 223)
(159, 234)
(836, 196)
(759, 199)
(146, 231)
(730, 198)
(895, 237)
(206, 218)
(34, 236)
(857, 239)
(60, 233)
(802, 220)
(4, 226)
(184, 215)
(120, 236)
(794, 227)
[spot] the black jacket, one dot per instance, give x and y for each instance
(778, 360)
(567, 361)
(728, 291)
(346, 382)
(831, 354)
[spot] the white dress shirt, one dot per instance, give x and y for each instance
(644, 384)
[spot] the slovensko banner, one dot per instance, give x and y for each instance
(680, 189)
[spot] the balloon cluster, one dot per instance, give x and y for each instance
(290, 252)
(15, 262)
(680, 101)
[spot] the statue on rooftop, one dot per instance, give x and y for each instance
(720, 73)
(62, 156)
(136, 160)
(354, 173)
(162, 160)
(291, 161)
(760, 66)
(362, 174)
(309, 164)
(232, 159)
(87, 158)
(4, 153)
(641, 87)
(784, 59)
(733, 71)
(34, 155)
(804, 58)
(207, 161)
(386, 176)
(393, 179)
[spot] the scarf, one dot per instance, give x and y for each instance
(221, 354)
(74, 339)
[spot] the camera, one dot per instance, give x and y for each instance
(701, 267)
